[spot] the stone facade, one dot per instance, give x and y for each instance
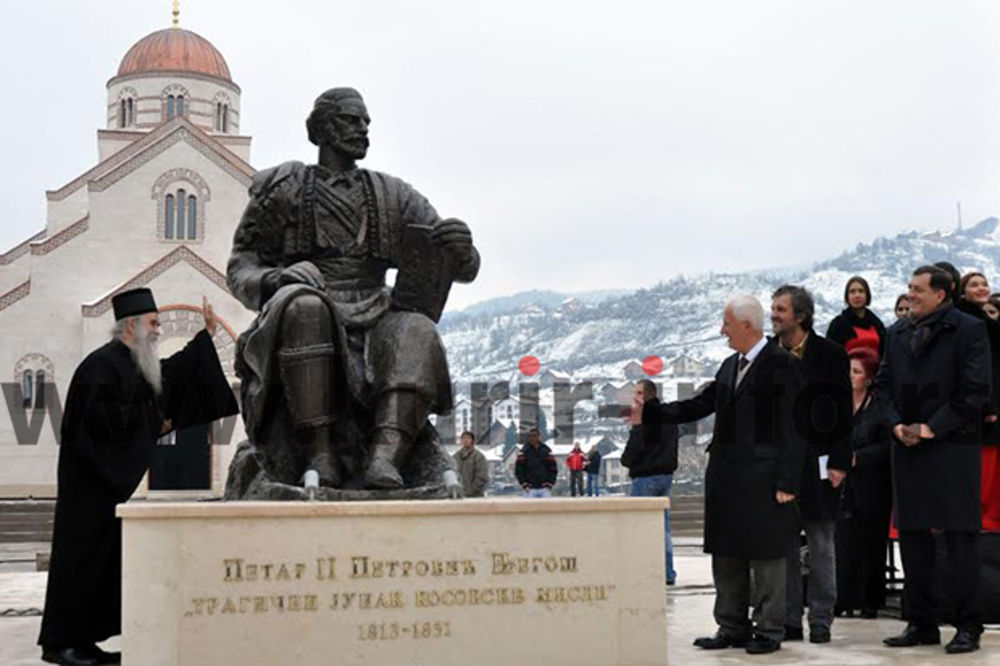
(105, 232)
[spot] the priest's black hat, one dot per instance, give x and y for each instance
(133, 303)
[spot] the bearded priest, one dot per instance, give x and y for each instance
(121, 399)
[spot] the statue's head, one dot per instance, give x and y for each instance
(340, 120)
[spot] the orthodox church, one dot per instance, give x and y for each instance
(159, 210)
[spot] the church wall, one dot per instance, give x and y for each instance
(110, 142)
(61, 213)
(149, 92)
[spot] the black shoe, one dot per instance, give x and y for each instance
(914, 635)
(106, 658)
(719, 641)
(793, 633)
(964, 641)
(869, 613)
(819, 635)
(69, 657)
(763, 645)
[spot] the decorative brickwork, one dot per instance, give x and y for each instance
(19, 250)
(182, 253)
(15, 294)
(35, 362)
(121, 164)
(61, 238)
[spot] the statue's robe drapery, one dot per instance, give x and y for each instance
(350, 225)
(108, 434)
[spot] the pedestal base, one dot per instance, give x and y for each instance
(548, 581)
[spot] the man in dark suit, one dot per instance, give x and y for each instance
(935, 383)
(753, 475)
(823, 414)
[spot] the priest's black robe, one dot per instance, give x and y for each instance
(109, 429)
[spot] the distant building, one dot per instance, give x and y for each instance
(633, 370)
(685, 366)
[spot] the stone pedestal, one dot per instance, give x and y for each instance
(546, 581)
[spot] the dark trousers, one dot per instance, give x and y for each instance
(964, 562)
(576, 482)
(733, 592)
(861, 553)
(822, 588)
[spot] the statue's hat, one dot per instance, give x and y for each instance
(133, 302)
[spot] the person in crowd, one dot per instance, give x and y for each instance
(751, 481)
(995, 302)
(651, 458)
(473, 470)
(825, 422)
(954, 277)
(935, 384)
(857, 325)
(974, 290)
(863, 529)
(991, 310)
(593, 472)
(902, 307)
(575, 461)
(121, 399)
(535, 468)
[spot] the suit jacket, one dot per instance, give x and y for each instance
(755, 451)
(823, 416)
(946, 384)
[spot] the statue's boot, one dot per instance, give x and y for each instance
(307, 375)
(398, 418)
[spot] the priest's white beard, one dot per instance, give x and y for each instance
(147, 357)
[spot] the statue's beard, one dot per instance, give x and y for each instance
(355, 147)
(147, 357)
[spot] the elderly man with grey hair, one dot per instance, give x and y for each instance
(753, 476)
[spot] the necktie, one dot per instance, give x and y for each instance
(744, 362)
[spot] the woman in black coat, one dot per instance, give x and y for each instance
(857, 326)
(863, 528)
(974, 293)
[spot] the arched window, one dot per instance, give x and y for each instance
(40, 389)
(192, 217)
(180, 105)
(225, 117)
(218, 116)
(181, 209)
(27, 384)
(130, 115)
(121, 115)
(168, 220)
(170, 107)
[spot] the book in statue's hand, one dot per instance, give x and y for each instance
(425, 276)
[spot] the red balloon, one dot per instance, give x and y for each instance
(529, 365)
(652, 365)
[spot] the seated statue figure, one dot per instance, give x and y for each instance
(339, 372)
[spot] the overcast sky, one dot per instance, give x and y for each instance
(589, 145)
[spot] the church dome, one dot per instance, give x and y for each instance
(174, 50)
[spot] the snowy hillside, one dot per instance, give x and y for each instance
(594, 337)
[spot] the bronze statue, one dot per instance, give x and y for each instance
(339, 373)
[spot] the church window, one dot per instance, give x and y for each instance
(225, 117)
(170, 107)
(40, 389)
(130, 115)
(192, 217)
(180, 105)
(181, 209)
(168, 221)
(218, 116)
(27, 385)
(121, 115)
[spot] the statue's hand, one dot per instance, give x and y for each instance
(454, 236)
(304, 272)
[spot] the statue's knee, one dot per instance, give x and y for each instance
(306, 320)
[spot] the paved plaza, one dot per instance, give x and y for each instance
(689, 615)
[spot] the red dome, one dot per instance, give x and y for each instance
(174, 50)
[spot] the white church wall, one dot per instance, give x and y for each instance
(110, 142)
(63, 212)
(150, 91)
